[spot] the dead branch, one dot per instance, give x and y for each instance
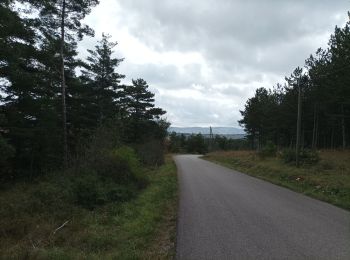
(60, 227)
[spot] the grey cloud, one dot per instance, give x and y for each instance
(230, 30)
(245, 44)
(188, 111)
(164, 76)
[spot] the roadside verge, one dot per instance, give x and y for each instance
(328, 180)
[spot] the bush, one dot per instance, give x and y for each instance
(119, 193)
(306, 157)
(120, 165)
(151, 152)
(88, 191)
(309, 157)
(269, 150)
(112, 177)
(288, 155)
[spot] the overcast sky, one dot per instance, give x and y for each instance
(204, 58)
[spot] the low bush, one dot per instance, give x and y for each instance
(151, 153)
(307, 157)
(90, 191)
(288, 155)
(111, 177)
(269, 150)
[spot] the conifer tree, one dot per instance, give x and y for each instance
(101, 76)
(60, 21)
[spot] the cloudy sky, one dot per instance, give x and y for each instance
(204, 58)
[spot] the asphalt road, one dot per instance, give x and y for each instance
(224, 214)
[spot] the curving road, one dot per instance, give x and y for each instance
(225, 214)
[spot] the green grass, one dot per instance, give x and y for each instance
(328, 180)
(141, 228)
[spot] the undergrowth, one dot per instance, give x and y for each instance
(92, 215)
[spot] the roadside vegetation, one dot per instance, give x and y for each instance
(327, 178)
(61, 216)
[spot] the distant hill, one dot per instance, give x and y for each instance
(206, 131)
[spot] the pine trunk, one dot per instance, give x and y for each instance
(343, 126)
(63, 88)
(298, 125)
(314, 129)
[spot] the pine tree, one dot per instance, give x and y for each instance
(101, 76)
(143, 121)
(60, 21)
(139, 101)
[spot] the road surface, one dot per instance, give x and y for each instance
(224, 214)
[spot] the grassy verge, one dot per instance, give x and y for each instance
(35, 223)
(328, 180)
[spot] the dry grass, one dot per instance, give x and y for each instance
(328, 180)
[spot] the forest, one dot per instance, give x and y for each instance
(82, 167)
(54, 104)
(324, 83)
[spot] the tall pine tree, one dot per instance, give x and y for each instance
(101, 77)
(60, 22)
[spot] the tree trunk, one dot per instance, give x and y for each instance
(298, 125)
(302, 138)
(253, 141)
(63, 88)
(332, 137)
(343, 126)
(314, 129)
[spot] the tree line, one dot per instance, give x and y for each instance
(201, 144)
(52, 101)
(271, 114)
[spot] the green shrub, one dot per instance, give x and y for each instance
(119, 193)
(269, 150)
(151, 153)
(119, 166)
(128, 155)
(51, 193)
(111, 166)
(288, 155)
(88, 191)
(307, 157)
(113, 177)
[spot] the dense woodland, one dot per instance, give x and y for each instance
(54, 105)
(271, 115)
